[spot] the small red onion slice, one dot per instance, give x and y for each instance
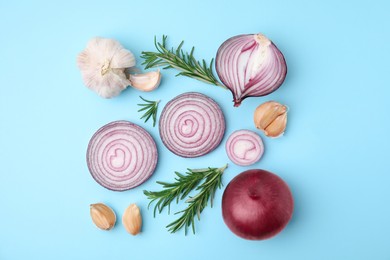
(244, 147)
(250, 66)
(191, 125)
(121, 155)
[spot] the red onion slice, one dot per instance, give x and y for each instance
(250, 66)
(191, 125)
(244, 147)
(121, 155)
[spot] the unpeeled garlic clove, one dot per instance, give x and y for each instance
(132, 220)
(146, 81)
(103, 216)
(271, 118)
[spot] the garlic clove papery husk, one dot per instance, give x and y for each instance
(132, 219)
(102, 216)
(277, 127)
(271, 118)
(250, 66)
(102, 64)
(146, 81)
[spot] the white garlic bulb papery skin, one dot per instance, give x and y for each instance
(103, 64)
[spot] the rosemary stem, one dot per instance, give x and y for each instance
(182, 61)
(206, 181)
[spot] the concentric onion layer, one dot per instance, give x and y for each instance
(244, 147)
(250, 66)
(191, 125)
(121, 155)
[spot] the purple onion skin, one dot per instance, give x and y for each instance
(250, 80)
(257, 205)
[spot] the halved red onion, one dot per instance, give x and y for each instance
(250, 65)
(191, 125)
(244, 147)
(121, 155)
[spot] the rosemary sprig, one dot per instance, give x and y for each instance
(150, 108)
(211, 179)
(180, 60)
(183, 185)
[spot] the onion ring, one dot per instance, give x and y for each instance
(191, 125)
(244, 147)
(121, 155)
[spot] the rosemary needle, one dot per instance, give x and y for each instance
(150, 108)
(205, 181)
(180, 60)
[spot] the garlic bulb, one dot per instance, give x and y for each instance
(103, 64)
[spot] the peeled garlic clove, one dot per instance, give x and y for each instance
(271, 118)
(132, 220)
(103, 216)
(102, 64)
(147, 81)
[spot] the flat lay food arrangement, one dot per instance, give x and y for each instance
(121, 155)
(194, 130)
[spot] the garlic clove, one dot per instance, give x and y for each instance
(277, 127)
(102, 216)
(147, 81)
(132, 220)
(271, 118)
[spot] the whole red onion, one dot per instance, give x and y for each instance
(257, 205)
(250, 65)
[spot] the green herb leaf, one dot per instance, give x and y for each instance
(180, 60)
(150, 108)
(206, 181)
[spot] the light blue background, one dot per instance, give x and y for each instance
(334, 154)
